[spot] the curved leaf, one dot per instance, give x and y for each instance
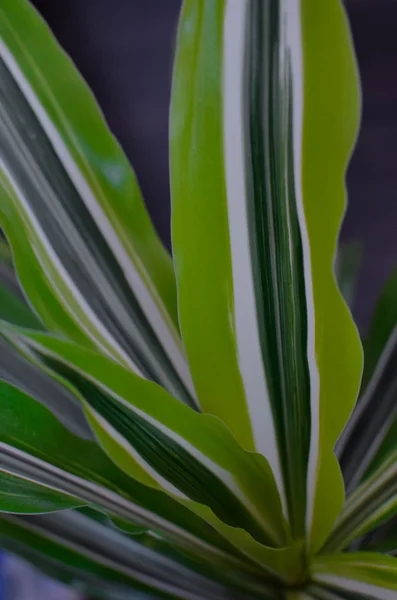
(15, 369)
(41, 450)
(347, 265)
(83, 550)
(85, 250)
(361, 575)
(19, 495)
(374, 419)
(257, 201)
(18, 371)
(371, 503)
(167, 445)
(13, 310)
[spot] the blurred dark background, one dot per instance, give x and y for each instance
(124, 50)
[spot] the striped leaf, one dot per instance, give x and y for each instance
(35, 448)
(382, 539)
(85, 551)
(14, 310)
(372, 503)
(375, 417)
(19, 495)
(5, 252)
(18, 371)
(85, 250)
(260, 136)
(357, 576)
(168, 446)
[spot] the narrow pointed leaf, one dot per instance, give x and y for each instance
(18, 371)
(93, 554)
(260, 137)
(84, 247)
(347, 265)
(167, 445)
(360, 576)
(375, 416)
(19, 495)
(372, 503)
(12, 309)
(37, 448)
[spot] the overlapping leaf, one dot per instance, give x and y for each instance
(374, 419)
(170, 447)
(372, 502)
(81, 550)
(18, 371)
(356, 576)
(84, 247)
(35, 448)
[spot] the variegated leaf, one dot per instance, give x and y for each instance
(372, 502)
(37, 449)
(84, 247)
(375, 417)
(168, 446)
(20, 495)
(85, 551)
(260, 137)
(18, 371)
(356, 576)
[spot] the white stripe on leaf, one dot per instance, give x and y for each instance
(145, 293)
(245, 311)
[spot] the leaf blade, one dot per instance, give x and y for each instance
(364, 574)
(95, 233)
(254, 249)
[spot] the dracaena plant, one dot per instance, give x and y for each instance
(176, 426)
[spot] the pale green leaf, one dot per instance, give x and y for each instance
(359, 575)
(261, 134)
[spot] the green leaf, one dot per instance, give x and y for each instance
(258, 196)
(12, 309)
(84, 248)
(358, 575)
(19, 495)
(168, 446)
(380, 339)
(374, 420)
(44, 451)
(382, 539)
(5, 252)
(85, 551)
(373, 502)
(18, 371)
